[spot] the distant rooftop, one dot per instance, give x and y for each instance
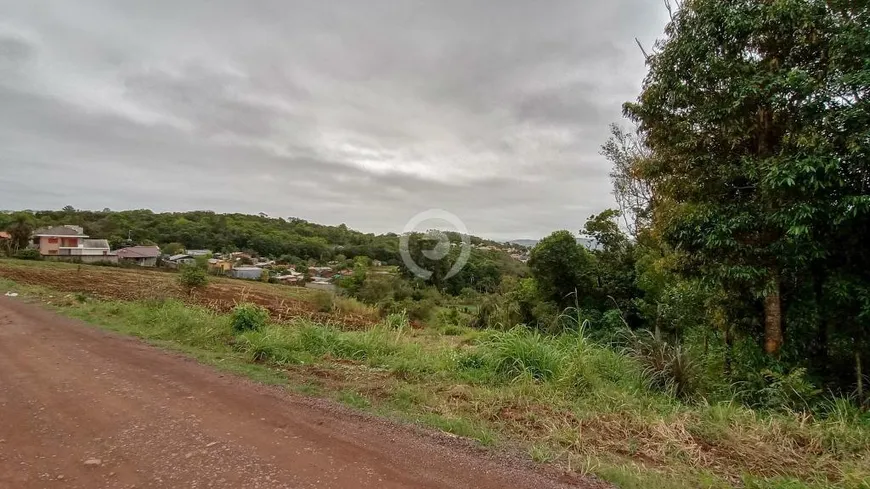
(139, 252)
(65, 230)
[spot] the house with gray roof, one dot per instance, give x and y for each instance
(144, 256)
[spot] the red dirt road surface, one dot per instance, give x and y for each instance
(84, 408)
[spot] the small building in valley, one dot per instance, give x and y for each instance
(195, 253)
(218, 265)
(248, 273)
(181, 259)
(144, 256)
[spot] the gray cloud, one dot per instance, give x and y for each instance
(345, 111)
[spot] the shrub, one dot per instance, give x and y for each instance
(670, 368)
(448, 317)
(396, 320)
(416, 310)
(249, 317)
(791, 391)
(353, 306)
(421, 310)
(268, 346)
(192, 277)
(324, 301)
(763, 382)
(378, 288)
(27, 254)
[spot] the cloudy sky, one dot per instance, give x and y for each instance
(365, 112)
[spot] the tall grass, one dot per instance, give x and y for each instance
(566, 395)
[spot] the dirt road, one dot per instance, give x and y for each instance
(83, 408)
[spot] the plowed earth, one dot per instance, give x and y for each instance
(221, 294)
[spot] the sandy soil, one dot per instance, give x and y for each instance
(84, 408)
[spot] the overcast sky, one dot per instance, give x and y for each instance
(357, 111)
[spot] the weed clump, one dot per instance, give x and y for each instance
(523, 353)
(249, 317)
(324, 301)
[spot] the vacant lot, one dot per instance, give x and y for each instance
(222, 294)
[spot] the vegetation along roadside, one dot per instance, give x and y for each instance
(565, 399)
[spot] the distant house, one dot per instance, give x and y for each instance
(144, 256)
(325, 272)
(291, 277)
(5, 236)
(58, 240)
(321, 284)
(70, 243)
(195, 253)
(216, 264)
(248, 273)
(182, 259)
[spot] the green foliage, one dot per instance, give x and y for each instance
(668, 367)
(562, 269)
(172, 248)
(20, 226)
(436, 252)
(520, 353)
(564, 394)
(605, 230)
(249, 317)
(790, 391)
(27, 254)
(192, 277)
(324, 301)
(397, 320)
(354, 400)
(265, 236)
(419, 310)
(754, 119)
(353, 283)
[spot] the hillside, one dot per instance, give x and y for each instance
(260, 234)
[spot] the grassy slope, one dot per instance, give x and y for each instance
(563, 400)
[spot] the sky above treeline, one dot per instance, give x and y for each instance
(348, 111)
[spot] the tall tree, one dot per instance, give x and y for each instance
(627, 151)
(756, 113)
(20, 230)
(562, 267)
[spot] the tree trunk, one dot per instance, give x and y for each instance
(728, 351)
(820, 346)
(859, 373)
(773, 318)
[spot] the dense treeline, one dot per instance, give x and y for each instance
(746, 189)
(262, 235)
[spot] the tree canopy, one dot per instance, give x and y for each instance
(756, 116)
